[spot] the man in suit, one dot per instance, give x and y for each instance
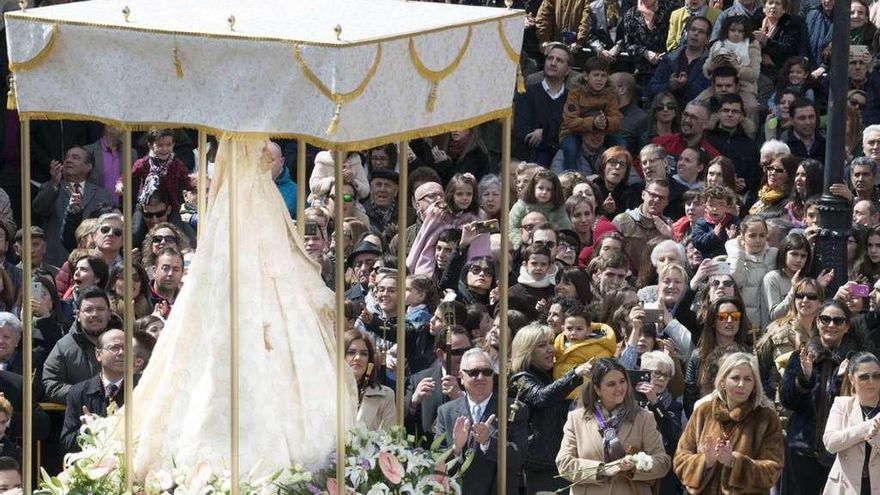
(67, 193)
(97, 393)
(469, 425)
(428, 389)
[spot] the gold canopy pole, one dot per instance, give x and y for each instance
(341, 366)
(128, 321)
(507, 125)
(301, 187)
(26, 314)
(232, 183)
(202, 187)
(402, 202)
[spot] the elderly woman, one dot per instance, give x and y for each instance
(667, 251)
(811, 381)
(667, 411)
(531, 363)
(733, 441)
(598, 434)
(616, 194)
(376, 407)
(851, 432)
(489, 190)
(108, 237)
(672, 280)
(788, 333)
(725, 324)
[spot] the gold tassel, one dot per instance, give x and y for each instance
(334, 122)
(520, 82)
(178, 64)
(10, 96)
(432, 97)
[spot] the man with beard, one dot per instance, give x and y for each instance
(694, 120)
(73, 360)
(167, 279)
(643, 223)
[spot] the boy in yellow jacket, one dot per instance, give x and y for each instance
(580, 341)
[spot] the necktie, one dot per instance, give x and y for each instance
(77, 188)
(112, 390)
(477, 413)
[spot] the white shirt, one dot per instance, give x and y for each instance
(550, 93)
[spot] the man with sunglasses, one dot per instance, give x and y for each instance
(67, 197)
(469, 424)
(157, 210)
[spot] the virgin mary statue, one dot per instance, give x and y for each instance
(286, 357)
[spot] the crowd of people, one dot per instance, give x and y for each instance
(665, 298)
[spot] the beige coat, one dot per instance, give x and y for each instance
(845, 436)
(377, 409)
(582, 448)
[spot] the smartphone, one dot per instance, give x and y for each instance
(860, 290)
(311, 229)
(37, 290)
(653, 315)
(636, 377)
(723, 268)
(488, 226)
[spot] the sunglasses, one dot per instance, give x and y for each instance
(774, 170)
(154, 214)
(479, 270)
(474, 373)
(856, 104)
(667, 106)
(722, 283)
(733, 315)
(168, 239)
(548, 244)
(873, 376)
(459, 352)
(837, 320)
(807, 296)
(107, 229)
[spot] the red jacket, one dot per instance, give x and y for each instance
(173, 184)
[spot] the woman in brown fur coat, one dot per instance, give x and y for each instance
(733, 442)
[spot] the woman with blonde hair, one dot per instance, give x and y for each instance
(160, 236)
(531, 365)
(733, 441)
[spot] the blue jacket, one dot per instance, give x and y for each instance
(706, 241)
(668, 66)
(819, 32)
(287, 188)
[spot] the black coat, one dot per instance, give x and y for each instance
(11, 387)
(548, 411)
(742, 150)
(89, 393)
(419, 420)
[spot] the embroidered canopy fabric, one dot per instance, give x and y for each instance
(346, 74)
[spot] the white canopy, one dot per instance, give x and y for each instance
(396, 70)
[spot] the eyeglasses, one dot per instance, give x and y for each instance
(168, 239)
(431, 196)
(856, 103)
(615, 164)
(154, 214)
(563, 247)
(873, 376)
(475, 373)
(661, 375)
(721, 283)
(691, 116)
(667, 106)
(658, 197)
(807, 296)
(479, 270)
(459, 352)
(732, 315)
(774, 170)
(548, 244)
(107, 229)
(115, 349)
(837, 320)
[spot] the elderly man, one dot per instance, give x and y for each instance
(866, 212)
(97, 393)
(694, 120)
(67, 194)
(361, 260)
(72, 360)
(10, 345)
(863, 179)
(681, 71)
(871, 143)
(645, 222)
(39, 246)
(281, 176)
(539, 110)
(381, 207)
(469, 425)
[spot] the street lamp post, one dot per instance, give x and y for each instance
(835, 218)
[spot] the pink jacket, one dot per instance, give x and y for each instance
(420, 260)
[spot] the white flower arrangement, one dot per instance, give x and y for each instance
(641, 461)
(377, 462)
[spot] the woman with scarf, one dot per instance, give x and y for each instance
(811, 381)
(531, 365)
(733, 441)
(776, 183)
(598, 435)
